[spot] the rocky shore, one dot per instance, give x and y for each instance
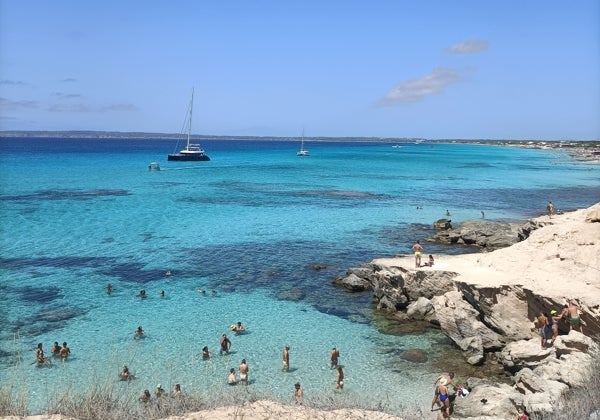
(486, 303)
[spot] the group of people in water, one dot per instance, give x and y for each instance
(548, 325)
(56, 351)
(243, 369)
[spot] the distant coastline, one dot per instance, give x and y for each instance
(587, 150)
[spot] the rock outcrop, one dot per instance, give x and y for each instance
(487, 303)
(483, 234)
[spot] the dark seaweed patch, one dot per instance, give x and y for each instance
(61, 262)
(133, 273)
(65, 194)
(39, 294)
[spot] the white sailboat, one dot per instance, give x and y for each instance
(192, 152)
(302, 151)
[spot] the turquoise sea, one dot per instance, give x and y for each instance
(77, 214)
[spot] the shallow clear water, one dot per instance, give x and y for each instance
(78, 214)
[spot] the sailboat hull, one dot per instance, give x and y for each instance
(188, 157)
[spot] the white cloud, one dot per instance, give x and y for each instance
(9, 105)
(69, 108)
(417, 89)
(472, 46)
(12, 82)
(80, 107)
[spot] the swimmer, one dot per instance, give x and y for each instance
(109, 288)
(159, 391)
(238, 328)
(125, 375)
(162, 293)
(205, 353)
(40, 359)
(202, 292)
(244, 372)
(139, 333)
(225, 344)
(231, 380)
(335, 354)
(176, 391)
(168, 273)
(298, 394)
(142, 294)
(339, 384)
(145, 398)
(65, 351)
(286, 358)
(55, 350)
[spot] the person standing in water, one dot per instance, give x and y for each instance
(286, 358)
(335, 354)
(243, 372)
(298, 394)
(339, 384)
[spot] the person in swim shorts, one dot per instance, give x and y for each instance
(335, 354)
(418, 250)
(574, 317)
(243, 372)
(286, 358)
(542, 321)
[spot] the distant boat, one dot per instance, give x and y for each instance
(192, 151)
(154, 166)
(302, 151)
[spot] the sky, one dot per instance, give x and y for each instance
(434, 69)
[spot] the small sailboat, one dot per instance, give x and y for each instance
(192, 152)
(302, 151)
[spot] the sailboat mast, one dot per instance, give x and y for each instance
(190, 118)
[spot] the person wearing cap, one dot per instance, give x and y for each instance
(556, 317)
(159, 391)
(298, 393)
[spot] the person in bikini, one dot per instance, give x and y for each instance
(39, 356)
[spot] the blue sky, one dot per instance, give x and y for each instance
(430, 69)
